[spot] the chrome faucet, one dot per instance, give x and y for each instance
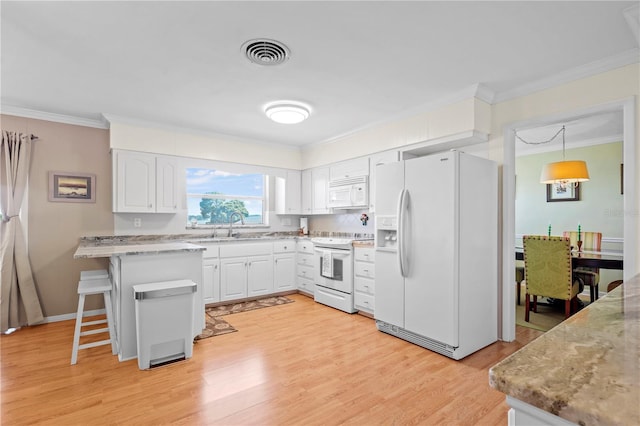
(231, 220)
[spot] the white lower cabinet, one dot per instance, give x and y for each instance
(246, 270)
(305, 267)
(211, 274)
(284, 265)
(364, 279)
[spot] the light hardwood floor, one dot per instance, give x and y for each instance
(297, 364)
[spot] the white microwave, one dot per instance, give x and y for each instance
(349, 193)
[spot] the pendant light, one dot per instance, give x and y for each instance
(562, 172)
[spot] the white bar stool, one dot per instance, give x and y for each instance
(94, 275)
(88, 287)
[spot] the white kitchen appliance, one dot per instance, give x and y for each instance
(334, 273)
(436, 252)
(349, 193)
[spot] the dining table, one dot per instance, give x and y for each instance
(605, 259)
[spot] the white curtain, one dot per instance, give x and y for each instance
(19, 303)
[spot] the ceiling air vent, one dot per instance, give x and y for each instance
(265, 51)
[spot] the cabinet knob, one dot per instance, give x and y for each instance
(276, 260)
(285, 247)
(150, 205)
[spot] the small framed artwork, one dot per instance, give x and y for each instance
(72, 187)
(563, 192)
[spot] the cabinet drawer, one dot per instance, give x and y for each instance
(364, 254)
(364, 269)
(305, 272)
(212, 250)
(364, 285)
(305, 259)
(305, 246)
(305, 285)
(242, 250)
(364, 302)
(286, 246)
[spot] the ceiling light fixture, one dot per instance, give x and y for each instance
(562, 172)
(287, 112)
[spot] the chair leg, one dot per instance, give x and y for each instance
(526, 307)
(109, 311)
(567, 308)
(596, 291)
(592, 295)
(518, 288)
(535, 304)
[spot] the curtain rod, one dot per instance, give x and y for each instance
(34, 137)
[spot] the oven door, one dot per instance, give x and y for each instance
(334, 269)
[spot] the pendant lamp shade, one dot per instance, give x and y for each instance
(564, 172)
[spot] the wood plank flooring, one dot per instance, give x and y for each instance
(297, 364)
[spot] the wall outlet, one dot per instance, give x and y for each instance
(137, 222)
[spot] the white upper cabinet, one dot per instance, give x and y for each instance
(320, 190)
(166, 184)
(288, 193)
(307, 192)
(144, 183)
(374, 161)
(349, 169)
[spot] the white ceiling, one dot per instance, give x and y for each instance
(180, 65)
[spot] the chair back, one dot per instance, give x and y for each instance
(590, 240)
(547, 267)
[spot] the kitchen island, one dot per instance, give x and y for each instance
(584, 371)
(139, 262)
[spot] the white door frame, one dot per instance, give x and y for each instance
(631, 216)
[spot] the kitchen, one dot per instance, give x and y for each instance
(77, 147)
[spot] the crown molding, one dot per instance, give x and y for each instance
(100, 123)
(600, 66)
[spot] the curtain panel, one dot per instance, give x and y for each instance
(19, 302)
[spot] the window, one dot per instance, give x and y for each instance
(213, 195)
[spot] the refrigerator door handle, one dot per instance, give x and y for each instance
(400, 232)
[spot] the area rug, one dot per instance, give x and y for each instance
(546, 318)
(216, 325)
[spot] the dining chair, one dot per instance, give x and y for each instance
(548, 272)
(590, 276)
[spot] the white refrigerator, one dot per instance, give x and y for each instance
(437, 252)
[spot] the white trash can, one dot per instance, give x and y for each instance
(164, 322)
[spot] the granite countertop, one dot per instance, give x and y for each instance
(586, 369)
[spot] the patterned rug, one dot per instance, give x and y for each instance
(216, 325)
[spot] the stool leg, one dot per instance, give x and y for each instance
(109, 311)
(76, 334)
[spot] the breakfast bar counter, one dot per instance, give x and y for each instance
(584, 371)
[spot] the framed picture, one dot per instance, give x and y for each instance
(563, 192)
(72, 187)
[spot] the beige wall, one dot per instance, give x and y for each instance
(54, 227)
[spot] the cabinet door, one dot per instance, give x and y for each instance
(284, 272)
(320, 190)
(166, 184)
(288, 192)
(211, 280)
(307, 192)
(135, 182)
(375, 161)
(259, 275)
(233, 278)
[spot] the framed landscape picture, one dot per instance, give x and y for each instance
(560, 192)
(72, 187)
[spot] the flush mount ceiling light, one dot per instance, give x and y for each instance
(287, 112)
(562, 172)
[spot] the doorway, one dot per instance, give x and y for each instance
(627, 108)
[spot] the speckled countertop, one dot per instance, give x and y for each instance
(107, 246)
(586, 369)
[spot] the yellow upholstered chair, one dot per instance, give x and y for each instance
(548, 272)
(590, 276)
